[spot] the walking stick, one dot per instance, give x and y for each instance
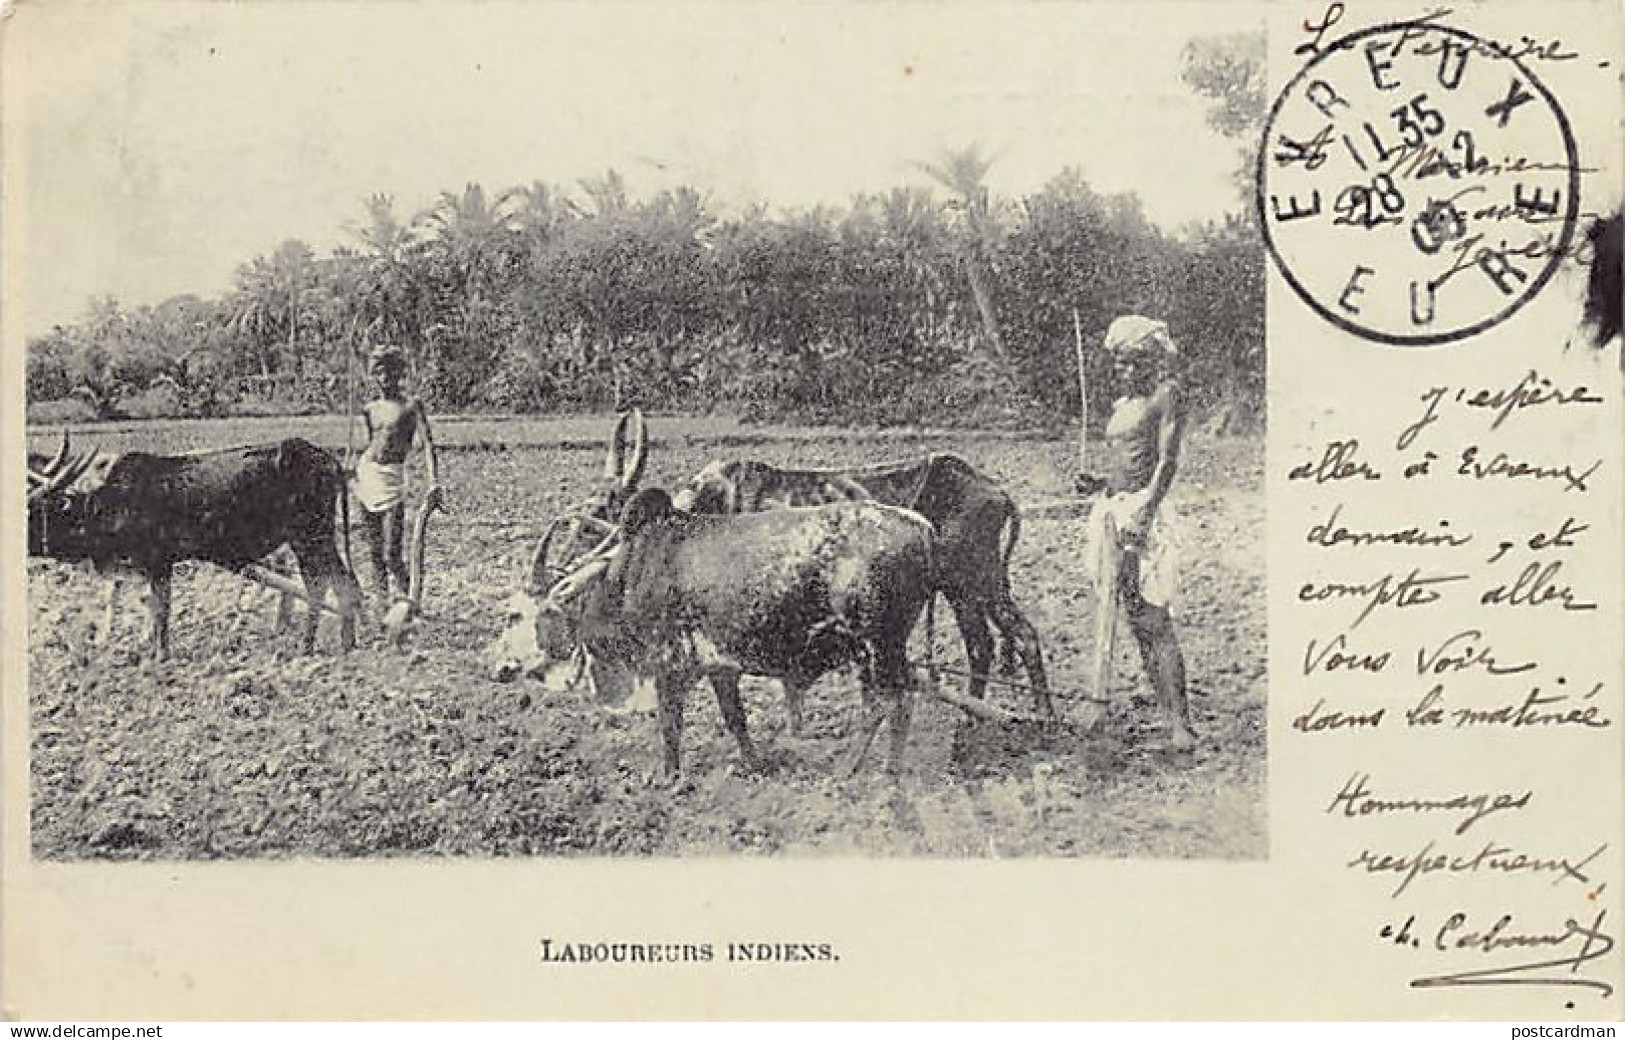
(1083, 396)
(349, 441)
(1107, 606)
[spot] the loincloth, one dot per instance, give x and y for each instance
(379, 486)
(1159, 557)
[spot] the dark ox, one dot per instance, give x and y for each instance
(145, 513)
(969, 514)
(674, 597)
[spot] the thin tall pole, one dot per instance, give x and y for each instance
(349, 435)
(1083, 396)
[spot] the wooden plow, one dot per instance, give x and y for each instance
(287, 586)
(403, 612)
(986, 712)
(1107, 607)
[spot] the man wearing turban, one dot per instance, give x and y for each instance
(1144, 435)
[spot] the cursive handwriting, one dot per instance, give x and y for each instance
(1526, 48)
(1337, 462)
(1334, 14)
(1329, 534)
(1503, 465)
(1356, 799)
(1536, 710)
(1429, 160)
(1414, 589)
(1413, 34)
(1535, 586)
(1331, 657)
(1470, 253)
(1463, 651)
(1318, 720)
(1562, 538)
(1492, 857)
(1498, 529)
(1594, 943)
(1532, 390)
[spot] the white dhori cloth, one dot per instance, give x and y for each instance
(1164, 543)
(379, 486)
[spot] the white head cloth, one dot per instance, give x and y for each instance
(1133, 332)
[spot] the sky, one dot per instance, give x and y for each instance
(152, 147)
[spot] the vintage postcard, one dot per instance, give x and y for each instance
(703, 510)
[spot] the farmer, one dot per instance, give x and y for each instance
(1143, 437)
(393, 422)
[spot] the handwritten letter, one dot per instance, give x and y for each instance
(1454, 697)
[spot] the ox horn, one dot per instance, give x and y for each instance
(538, 560)
(605, 545)
(61, 456)
(624, 464)
(51, 468)
(614, 462)
(61, 477)
(603, 528)
(592, 564)
(576, 580)
(633, 471)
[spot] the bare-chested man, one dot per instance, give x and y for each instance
(394, 423)
(1143, 439)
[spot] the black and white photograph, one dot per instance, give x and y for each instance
(774, 464)
(868, 510)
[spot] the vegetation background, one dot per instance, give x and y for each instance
(941, 304)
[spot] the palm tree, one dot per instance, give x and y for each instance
(471, 252)
(266, 306)
(471, 233)
(963, 171)
(608, 194)
(539, 214)
(392, 298)
(910, 230)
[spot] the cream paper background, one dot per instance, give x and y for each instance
(1290, 937)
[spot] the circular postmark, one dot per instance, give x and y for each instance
(1417, 185)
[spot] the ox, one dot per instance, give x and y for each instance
(969, 514)
(145, 513)
(673, 597)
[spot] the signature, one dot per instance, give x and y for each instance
(1594, 944)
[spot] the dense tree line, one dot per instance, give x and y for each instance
(903, 306)
(920, 304)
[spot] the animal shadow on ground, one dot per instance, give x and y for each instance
(985, 750)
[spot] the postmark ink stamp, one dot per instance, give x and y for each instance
(1416, 184)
